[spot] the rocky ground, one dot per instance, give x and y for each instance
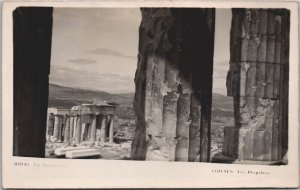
(109, 151)
(120, 150)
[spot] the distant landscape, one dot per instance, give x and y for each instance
(66, 97)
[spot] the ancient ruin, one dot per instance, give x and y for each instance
(87, 122)
(258, 82)
(173, 87)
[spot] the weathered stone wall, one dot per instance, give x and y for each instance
(173, 84)
(258, 82)
(32, 32)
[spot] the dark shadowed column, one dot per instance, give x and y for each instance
(258, 82)
(173, 81)
(32, 32)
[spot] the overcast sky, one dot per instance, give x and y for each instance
(97, 48)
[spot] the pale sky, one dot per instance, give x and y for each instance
(96, 48)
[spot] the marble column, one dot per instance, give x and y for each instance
(174, 85)
(71, 126)
(85, 131)
(78, 130)
(74, 126)
(50, 125)
(111, 129)
(67, 129)
(93, 128)
(258, 82)
(57, 127)
(103, 129)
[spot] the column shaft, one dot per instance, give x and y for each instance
(75, 126)
(254, 81)
(71, 126)
(111, 129)
(50, 127)
(31, 68)
(78, 130)
(93, 128)
(169, 74)
(67, 129)
(57, 127)
(103, 129)
(83, 131)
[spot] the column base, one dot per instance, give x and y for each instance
(249, 144)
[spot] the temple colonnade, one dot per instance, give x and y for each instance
(81, 123)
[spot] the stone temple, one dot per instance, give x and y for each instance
(86, 122)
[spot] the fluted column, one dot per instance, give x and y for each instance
(50, 125)
(75, 126)
(83, 131)
(67, 129)
(173, 85)
(111, 129)
(258, 81)
(78, 130)
(71, 126)
(93, 128)
(103, 129)
(57, 127)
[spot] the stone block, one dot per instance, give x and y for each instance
(83, 153)
(62, 151)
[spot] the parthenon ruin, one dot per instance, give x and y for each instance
(173, 86)
(87, 122)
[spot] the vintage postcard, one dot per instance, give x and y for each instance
(134, 94)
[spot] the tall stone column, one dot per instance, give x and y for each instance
(85, 131)
(50, 124)
(98, 127)
(78, 130)
(57, 127)
(75, 126)
(173, 85)
(103, 129)
(67, 129)
(31, 68)
(111, 129)
(258, 82)
(71, 126)
(93, 128)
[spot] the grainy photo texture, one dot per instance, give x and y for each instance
(152, 84)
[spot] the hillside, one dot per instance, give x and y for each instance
(66, 97)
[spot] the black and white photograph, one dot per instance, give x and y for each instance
(146, 83)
